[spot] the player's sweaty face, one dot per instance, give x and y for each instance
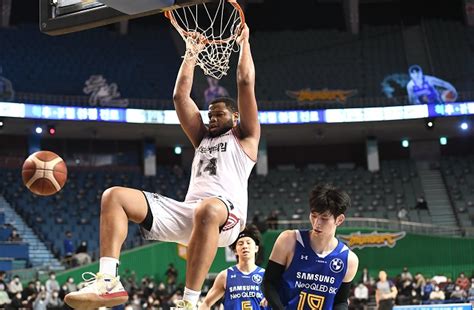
(220, 119)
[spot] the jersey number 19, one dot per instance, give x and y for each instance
(314, 302)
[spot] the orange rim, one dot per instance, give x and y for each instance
(186, 33)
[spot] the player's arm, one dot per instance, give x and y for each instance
(216, 292)
(249, 124)
(342, 295)
(186, 108)
(277, 264)
(440, 83)
(393, 292)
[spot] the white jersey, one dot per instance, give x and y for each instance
(221, 168)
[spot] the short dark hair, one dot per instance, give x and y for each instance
(250, 231)
(230, 103)
(326, 197)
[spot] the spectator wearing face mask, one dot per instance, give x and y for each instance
(136, 303)
(71, 286)
(15, 286)
(52, 284)
(17, 301)
(54, 303)
(40, 302)
(437, 294)
(458, 294)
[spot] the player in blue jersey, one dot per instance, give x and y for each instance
(240, 284)
(422, 88)
(312, 269)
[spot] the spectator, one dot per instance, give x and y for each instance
(427, 289)
(82, 256)
(63, 292)
(421, 203)
(437, 294)
(130, 285)
(449, 287)
(406, 275)
(3, 284)
(4, 299)
(402, 214)
(419, 283)
(136, 302)
(463, 281)
(366, 278)
(40, 302)
(54, 303)
(15, 236)
(385, 293)
(149, 289)
(29, 291)
(52, 285)
(39, 287)
(470, 294)
(15, 286)
(68, 247)
(361, 297)
(171, 276)
(71, 286)
(458, 294)
(406, 293)
(17, 302)
(272, 220)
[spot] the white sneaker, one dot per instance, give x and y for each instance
(183, 304)
(99, 291)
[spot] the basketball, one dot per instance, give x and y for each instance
(448, 96)
(44, 173)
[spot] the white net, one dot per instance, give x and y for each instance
(210, 31)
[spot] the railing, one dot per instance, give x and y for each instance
(374, 223)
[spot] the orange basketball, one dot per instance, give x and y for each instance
(44, 173)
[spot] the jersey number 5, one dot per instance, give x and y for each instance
(210, 167)
(314, 302)
(246, 305)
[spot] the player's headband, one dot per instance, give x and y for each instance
(244, 234)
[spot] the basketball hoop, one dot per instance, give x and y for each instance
(210, 31)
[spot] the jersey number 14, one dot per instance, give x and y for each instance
(210, 167)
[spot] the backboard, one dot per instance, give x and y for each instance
(66, 16)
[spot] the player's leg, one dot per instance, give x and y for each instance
(209, 216)
(118, 206)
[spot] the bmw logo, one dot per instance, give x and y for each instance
(336, 265)
(257, 278)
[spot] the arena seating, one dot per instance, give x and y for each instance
(458, 175)
(144, 64)
(374, 195)
(285, 189)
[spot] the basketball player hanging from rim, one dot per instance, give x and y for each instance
(215, 208)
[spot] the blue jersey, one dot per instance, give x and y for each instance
(426, 93)
(312, 281)
(242, 291)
